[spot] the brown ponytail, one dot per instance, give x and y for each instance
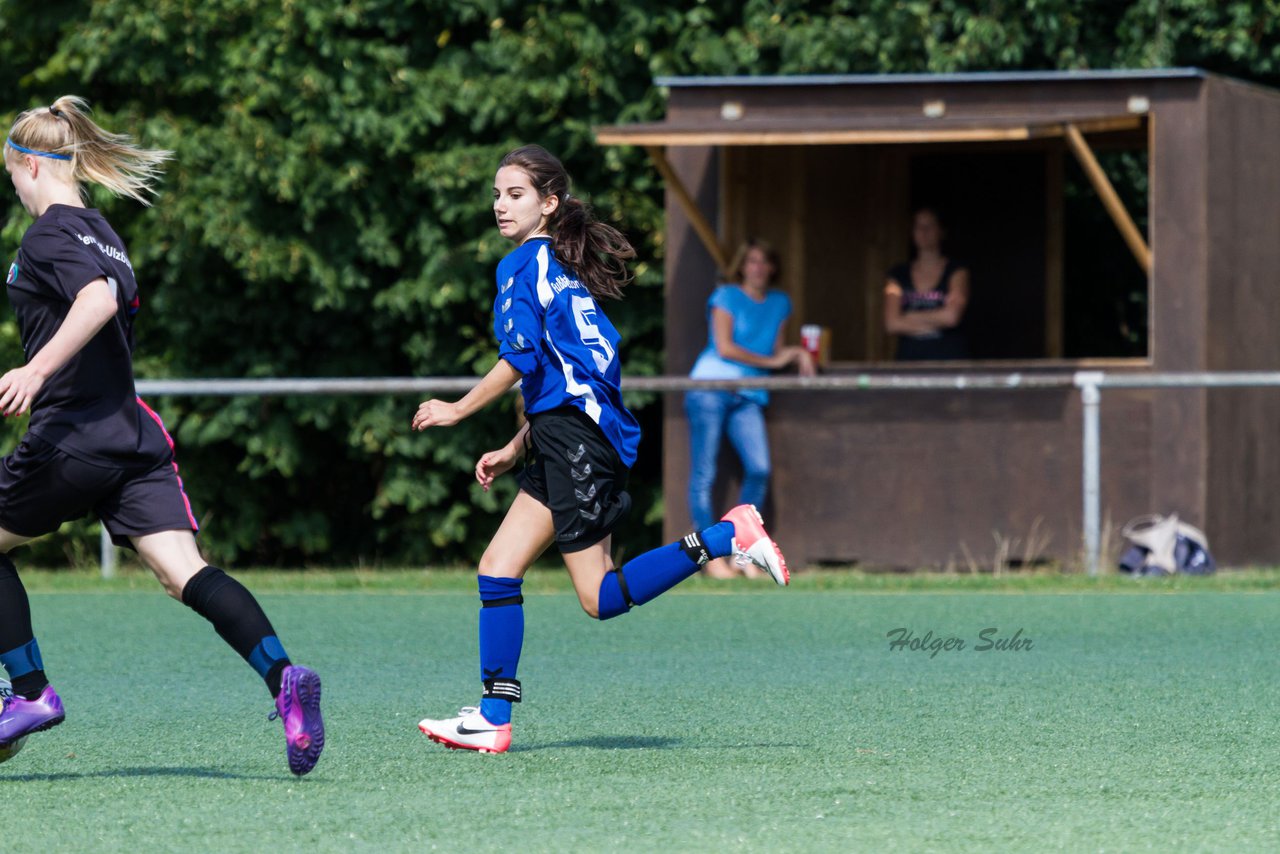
(595, 251)
(96, 156)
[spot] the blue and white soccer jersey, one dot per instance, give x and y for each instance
(550, 329)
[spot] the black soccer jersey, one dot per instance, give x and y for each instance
(88, 408)
(941, 344)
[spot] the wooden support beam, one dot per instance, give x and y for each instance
(837, 132)
(1110, 200)
(1054, 255)
(697, 219)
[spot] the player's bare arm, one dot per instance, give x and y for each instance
(442, 413)
(499, 462)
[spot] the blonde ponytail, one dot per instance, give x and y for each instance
(64, 132)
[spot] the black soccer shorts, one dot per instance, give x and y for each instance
(41, 487)
(575, 472)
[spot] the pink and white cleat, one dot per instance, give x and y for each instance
(470, 730)
(752, 544)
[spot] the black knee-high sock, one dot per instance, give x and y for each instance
(19, 652)
(239, 620)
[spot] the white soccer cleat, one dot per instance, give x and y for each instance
(751, 543)
(468, 731)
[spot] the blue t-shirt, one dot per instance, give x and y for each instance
(755, 328)
(550, 329)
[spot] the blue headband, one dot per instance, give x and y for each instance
(25, 150)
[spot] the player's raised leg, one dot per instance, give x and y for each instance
(525, 533)
(34, 706)
(606, 592)
(239, 620)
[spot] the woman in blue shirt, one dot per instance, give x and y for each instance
(579, 439)
(745, 322)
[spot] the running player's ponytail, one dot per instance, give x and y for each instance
(64, 133)
(595, 251)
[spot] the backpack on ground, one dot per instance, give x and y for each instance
(1163, 545)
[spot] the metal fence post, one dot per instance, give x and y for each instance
(107, 554)
(1090, 385)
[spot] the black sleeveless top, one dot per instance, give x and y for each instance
(942, 344)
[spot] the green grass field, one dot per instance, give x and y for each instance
(725, 715)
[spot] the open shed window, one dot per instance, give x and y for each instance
(1049, 219)
(1050, 274)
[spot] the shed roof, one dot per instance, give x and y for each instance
(953, 77)
(842, 109)
(854, 129)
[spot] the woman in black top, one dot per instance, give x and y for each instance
(92, 445)
(924, 299)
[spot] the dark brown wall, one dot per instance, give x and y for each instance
(937, 478)
(914, 479)
(1243, 293)
(1179, 179)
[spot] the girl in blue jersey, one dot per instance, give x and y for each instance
(92, 445)
(581, 441)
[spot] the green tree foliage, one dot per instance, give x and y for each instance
(327, 213)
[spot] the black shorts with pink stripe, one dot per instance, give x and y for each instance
(41, 487)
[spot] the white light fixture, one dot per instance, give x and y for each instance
(1139, 104)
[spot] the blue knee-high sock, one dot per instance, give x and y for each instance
(19, 652)
(501, 636)
(655, 572)
(25, 669)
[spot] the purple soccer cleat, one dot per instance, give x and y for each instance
(298, 706)
(20, 717)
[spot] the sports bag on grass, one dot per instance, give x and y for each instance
(1162, 545)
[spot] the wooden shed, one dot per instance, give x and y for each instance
(828, 169)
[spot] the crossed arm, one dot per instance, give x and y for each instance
(898, 322)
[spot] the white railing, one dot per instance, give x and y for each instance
(1090, 384)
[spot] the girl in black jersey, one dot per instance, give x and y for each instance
(92, 444)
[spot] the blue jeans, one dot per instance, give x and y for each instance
(713, 415)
